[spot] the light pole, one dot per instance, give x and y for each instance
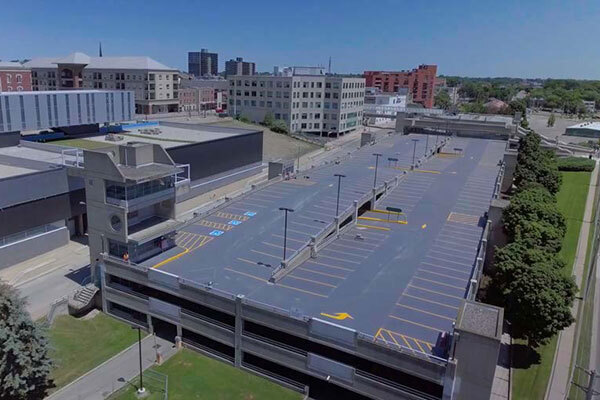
(377, 155)
(337, 203)
(414, 150)
(426, 144)
(286, 209)
(141, 390)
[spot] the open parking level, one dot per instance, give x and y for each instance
(366, 296)
(395, 275)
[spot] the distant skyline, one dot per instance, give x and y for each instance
(532, 39)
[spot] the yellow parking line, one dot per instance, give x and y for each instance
(386, 212)
(429, 301)
(247, 261)
(311, 280)
(395, 341)
(373, 227)
(444, 275)
(439, 283)
(258, 278)
(433, 291)
(289, 238)
(419, 344)
(345, 252)
(265, 254)
(414, 323)
(384, 220)
(352, 247)
(302, 290)
(193, 245)
(423, 311)
(331, 266)
(322, 273)
(338, 259)
(168, 260)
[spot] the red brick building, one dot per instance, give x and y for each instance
(420, 82)
(14, 77)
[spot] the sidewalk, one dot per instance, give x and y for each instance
(558, 385)
(116, 372)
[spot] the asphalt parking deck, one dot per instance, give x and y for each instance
(399, 278)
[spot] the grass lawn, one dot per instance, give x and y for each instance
(81, 143)
(194, 376)
(78, 346)
(531, 382)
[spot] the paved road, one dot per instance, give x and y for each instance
(46, 278)
(116, 372)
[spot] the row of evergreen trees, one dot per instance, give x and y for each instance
(530, 281)
(24, 361)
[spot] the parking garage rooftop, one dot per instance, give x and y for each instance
(400, 278)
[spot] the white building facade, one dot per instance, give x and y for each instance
(312, 103)
(156, 86)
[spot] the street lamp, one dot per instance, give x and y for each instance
(285, 228)
(337, 203)
(414, 150)
(377, 155)
(426, 144)
(141, 390)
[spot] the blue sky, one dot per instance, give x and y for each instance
(527, 38)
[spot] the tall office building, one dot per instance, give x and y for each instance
(239, 67)
(420, 82)
(203, 63)
(304, 98)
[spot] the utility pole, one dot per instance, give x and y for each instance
(141, 390)
(337, 204)
(286, 209)
(377, 155)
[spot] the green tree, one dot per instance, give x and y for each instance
(279, 126)
(269, 119)
(442, 100)
(24, 362)
(532, 205)
(551, 120)
(535, 293)
(540, 234)
(536, 165)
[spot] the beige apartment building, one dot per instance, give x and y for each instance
(305, 98)
(155, 85)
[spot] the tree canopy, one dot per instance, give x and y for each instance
(24, 362)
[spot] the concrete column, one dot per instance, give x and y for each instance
(103, 287)
(373, 198)
(80, 228)
(238, 329)
(179, 331)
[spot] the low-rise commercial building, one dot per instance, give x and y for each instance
(385, 104)
(14, 77)
(419, 81)
(303, 97)
(584, 129)
(155, 85)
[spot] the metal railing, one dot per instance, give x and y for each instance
(28, 234)
(72, 157)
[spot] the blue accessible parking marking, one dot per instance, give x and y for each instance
(234, 222)
(249, 213)
(216, 232)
